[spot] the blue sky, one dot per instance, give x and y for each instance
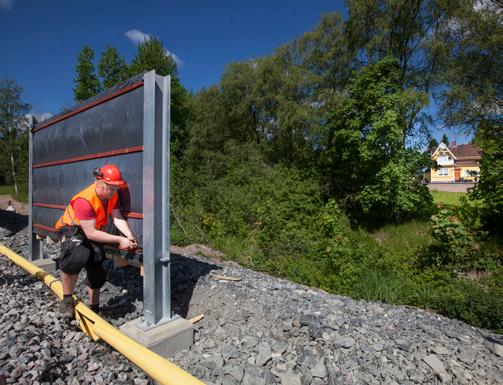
(39, 40)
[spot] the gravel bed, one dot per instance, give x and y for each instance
(258, 330)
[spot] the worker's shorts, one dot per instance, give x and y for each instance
(77, 253)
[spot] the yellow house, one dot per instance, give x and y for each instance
(456, 163)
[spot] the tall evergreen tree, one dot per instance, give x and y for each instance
(112, 68)
(12, 125)
(432, 145)
(86, 81)
(151, 55)
(445, 139)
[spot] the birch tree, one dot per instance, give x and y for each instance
(12, 125)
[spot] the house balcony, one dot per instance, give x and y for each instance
(445, 162)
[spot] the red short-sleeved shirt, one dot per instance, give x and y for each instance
(84, 211)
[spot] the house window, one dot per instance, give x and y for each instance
(471, 173)
(443, 171)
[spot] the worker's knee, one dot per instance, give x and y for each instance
(73, 257)
(96, 276)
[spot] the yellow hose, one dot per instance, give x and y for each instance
(157, 367)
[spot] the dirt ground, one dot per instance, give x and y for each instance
(450, 187)
(21, 208)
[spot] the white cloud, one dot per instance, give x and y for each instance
(137, 37)
(6, 4)
(177, 60)
(39, 117)
(44, 116)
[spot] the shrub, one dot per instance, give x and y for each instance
(396, 195)
(453, 242)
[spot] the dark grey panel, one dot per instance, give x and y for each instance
(46, 217)
(108, 91)
(57, 184)
(113, 125)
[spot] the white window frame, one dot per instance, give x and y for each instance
(443, 171)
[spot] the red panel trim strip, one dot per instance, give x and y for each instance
(42, 227)
(53, 230)
(122, 151)
(90, 105)
(49, 206)
(131, 214)
(134, 215)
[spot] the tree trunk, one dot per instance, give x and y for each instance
(12, 155)
(13, 171)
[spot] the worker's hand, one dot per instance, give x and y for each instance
(125, 244)
(132, 241)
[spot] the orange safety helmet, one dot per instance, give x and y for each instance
(109, 174)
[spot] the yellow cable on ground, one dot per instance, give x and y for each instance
(157, 367)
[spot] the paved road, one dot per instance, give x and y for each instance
(21, 208)
(450, 187)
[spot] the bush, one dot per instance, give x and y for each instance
(489, 188)
(396, 195)
(453, 242)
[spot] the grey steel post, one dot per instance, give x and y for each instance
(165, 83)
(156, 285)
(36, 251)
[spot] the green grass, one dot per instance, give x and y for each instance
(452, 199)
(7, 190)
(22, 196)
(403, 237)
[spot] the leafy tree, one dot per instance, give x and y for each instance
(239, 89)
(469, 48)
(266, 104)
(207, 126)
(112, 68)
(489, 188)
(325, 55)
(376, 29)
(151, 55)
(260, 102)
(405, 30)
(86, 81)
(366, 162)
(13, 124)
(470, 90)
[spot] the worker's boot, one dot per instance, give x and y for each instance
(67, 307)
(95, 308)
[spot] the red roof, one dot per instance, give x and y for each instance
(465, 151)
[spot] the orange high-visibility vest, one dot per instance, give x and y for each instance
(89, 194)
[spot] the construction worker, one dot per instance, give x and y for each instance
(80, 229)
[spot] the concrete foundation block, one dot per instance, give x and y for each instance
(47, 264)
(165, 339)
